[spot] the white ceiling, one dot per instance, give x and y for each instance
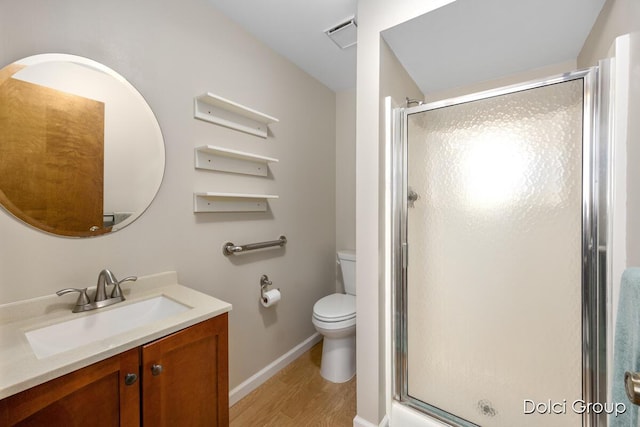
(470, 41)
(295, 29)
(464, 42)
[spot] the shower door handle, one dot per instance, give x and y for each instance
(412, 197)
(632, 386)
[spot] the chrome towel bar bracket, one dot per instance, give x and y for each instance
(229, 248)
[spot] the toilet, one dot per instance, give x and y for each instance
(334, 316)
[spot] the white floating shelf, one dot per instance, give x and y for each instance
(230, 202)
(226, 160)
(215, 109)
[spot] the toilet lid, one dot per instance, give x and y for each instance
(335, 308)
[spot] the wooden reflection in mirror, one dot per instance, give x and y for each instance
(81, 152)
(57, 138)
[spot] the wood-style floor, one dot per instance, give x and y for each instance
(298, 396)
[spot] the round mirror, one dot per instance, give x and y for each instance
(81, 153)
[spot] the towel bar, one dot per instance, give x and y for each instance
(229, 248)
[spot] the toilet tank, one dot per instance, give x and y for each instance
(347, 261)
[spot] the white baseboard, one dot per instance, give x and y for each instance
(271, 369)
(358, 421)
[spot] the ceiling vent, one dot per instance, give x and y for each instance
(345, 34)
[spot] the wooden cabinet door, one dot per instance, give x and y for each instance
(93, 396)
(185, 380)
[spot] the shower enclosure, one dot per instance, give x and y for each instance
(499, 268)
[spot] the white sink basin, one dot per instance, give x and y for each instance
(101, 324)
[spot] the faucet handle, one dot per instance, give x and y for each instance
(117, 292)
(83, 298)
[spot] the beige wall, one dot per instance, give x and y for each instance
(534, 74)
(172, 51)
(374, 16)
(633, 153)
(394, 82)
(616, 18)
(397, 84)
(619, 17)
(345, 172)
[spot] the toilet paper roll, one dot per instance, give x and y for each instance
(270, 297)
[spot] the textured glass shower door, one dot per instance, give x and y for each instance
(493, 277)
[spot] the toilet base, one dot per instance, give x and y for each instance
(338, 359)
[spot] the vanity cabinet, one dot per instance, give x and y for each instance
(95, 395)
(185, 378)
(182, 380)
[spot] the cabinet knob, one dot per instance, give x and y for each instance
(130, 379)
(156, 370)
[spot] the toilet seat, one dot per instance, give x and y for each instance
(335, 308)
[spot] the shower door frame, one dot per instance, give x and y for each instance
(595, 206)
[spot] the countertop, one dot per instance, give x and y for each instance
(20, 369)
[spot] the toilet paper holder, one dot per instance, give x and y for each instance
(264, 284)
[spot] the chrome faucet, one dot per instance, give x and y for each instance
(105, 278)
(100, 299)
